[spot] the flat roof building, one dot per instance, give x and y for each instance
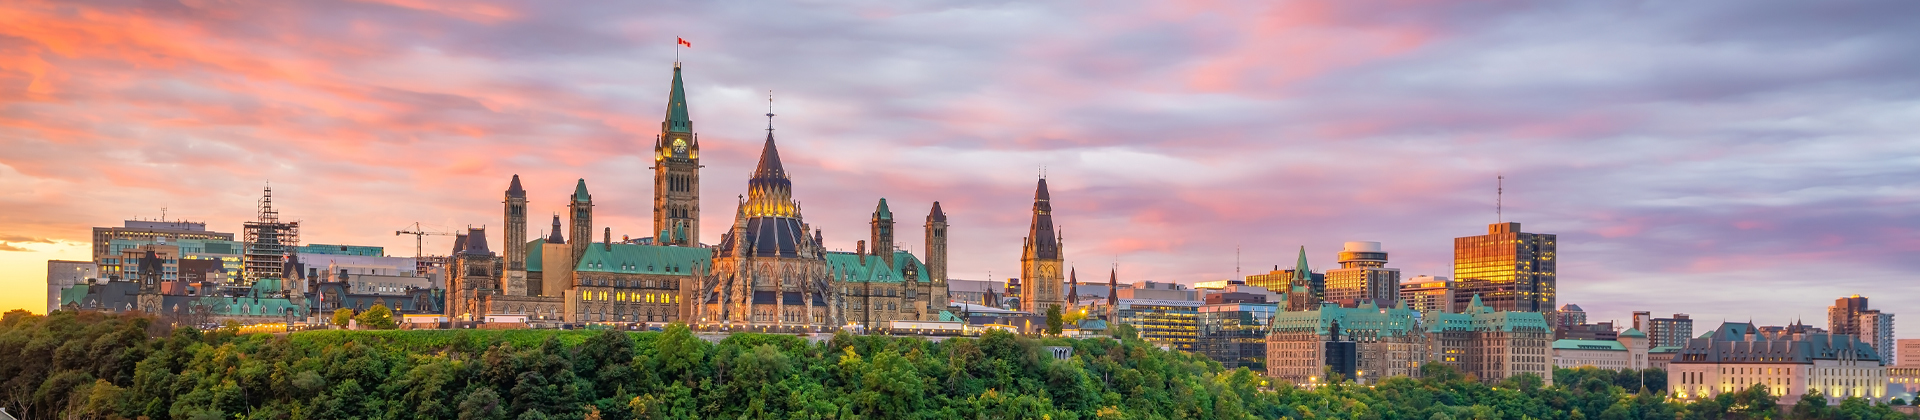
(1507, 269)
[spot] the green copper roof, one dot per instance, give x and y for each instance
(1633, 332)
(644, 259)
(580, 192)
(677, 120)
(847, 265)
(1300, 270)
(533, 254)
(949, 317)
(1664, 349)
(1588, 345)
(1388, 322)
(882, 212)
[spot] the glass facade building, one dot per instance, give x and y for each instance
(1508, 269)
(1167, 323)
(1235, 334)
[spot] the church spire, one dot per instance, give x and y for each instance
(677, 120)
(1301, 273)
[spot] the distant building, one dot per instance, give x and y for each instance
(1907, 352)
(325, 249)
(1235, 334)
(1282, 281)
(1153, 290)
(62, 274)
(1363, 277)
(1670, 332)
(1738, 355)
(142, 232)
(975, 291)
(1603, 331)
(1903, 382)
(1427, 294)
(1661, 357)
(1507, 269)
(1569, 315)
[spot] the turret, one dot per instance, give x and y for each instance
(883, 233)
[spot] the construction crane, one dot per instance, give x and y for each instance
(418, 234)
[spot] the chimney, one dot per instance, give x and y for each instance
(861, 249)
(608, 239)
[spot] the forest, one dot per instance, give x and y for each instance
(90, 365)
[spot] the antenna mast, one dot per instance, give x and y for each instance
(1499, 198)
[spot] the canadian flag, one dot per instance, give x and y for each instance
(683, 41)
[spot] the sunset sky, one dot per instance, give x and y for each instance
(1728, 159)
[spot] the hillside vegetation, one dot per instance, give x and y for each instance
(95, 365)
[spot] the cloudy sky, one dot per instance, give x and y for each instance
(1727, 159)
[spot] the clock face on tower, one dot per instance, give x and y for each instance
(679, 147)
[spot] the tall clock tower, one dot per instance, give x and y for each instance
(1040, 261)
(676, 173)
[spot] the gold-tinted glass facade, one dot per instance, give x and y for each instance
(1508, 269)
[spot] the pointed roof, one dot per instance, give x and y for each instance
(555, 238)
(513, 190)
(677, 120)
(459, 243)
(769, 167)
(937, 215)
(1073, 286)
(580, 192)
(1040, 193)
(1300, 270)
(477, 242)
(882, 212)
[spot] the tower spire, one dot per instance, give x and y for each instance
(677, 120)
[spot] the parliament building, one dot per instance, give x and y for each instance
(771, 269)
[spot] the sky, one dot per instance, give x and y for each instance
(1732, 160)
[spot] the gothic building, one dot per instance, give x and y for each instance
(770, 270)
(1041, 258)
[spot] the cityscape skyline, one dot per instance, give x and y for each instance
(1132, 181)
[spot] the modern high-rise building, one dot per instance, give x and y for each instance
(1363, 277)
(1507, 269)
(1427, 294)
(1165, 323)
(1844, 316)
(1876, 329)
(1670, 332)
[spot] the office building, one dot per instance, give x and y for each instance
(1907, 352)
(1427, 294)
(1509, 270)
(142, 232)
(1604, 331)
(1738, 355)
(1235, 334)
(1670, 332)
(1282, 281)
(1363, 277)
(1170, 324)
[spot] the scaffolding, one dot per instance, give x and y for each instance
(268, 243)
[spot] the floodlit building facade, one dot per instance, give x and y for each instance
(1738, 355)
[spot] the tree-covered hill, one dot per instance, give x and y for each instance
(96, 365)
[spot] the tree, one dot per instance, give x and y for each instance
(1054, 320)
(1812, 405)
(377, 317)
(342, 316)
